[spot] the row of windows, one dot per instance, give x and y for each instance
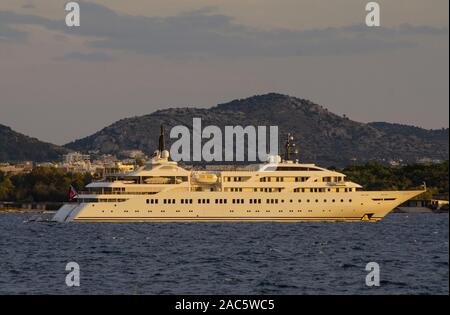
(299, 179)
(172, 201)
(148, 211)
(316, 190)
(231, 211)
(281, 179)
(90, 200)
(235, 201)
(333, 179)
(322, 190)
(267, 189)
(221, 200)
(232, 179)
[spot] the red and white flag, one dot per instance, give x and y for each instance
(72, 193)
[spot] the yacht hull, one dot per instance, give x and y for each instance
(370, 206)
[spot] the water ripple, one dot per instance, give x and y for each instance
(225, 258)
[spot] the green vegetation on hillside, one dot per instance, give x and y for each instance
(49, 184)
(376, 176)
(42, 184)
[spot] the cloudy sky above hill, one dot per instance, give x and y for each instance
(132, 57)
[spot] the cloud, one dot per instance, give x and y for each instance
(28, 5)
(7, 33)
(94, 56)
(204, 33)
(8, 21)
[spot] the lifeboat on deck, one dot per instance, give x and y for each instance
(205, 178)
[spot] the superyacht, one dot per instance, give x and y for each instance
(282, 190)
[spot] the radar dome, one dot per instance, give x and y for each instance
(165, 154)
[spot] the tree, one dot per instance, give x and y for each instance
(6, 188)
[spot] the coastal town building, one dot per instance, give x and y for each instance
(18, 168)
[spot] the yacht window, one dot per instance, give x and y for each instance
(296, 168)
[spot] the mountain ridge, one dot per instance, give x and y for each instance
(15, 146)
(324, 137)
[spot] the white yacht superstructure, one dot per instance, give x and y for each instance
(282, 190)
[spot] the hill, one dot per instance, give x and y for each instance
(323, 137)
(15, 146)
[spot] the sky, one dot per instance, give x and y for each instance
(130, 58)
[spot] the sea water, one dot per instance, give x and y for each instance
(225, 258)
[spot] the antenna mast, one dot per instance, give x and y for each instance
(162, 143)
(290, 148)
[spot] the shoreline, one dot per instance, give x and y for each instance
(19, 210)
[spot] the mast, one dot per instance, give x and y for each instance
(162, 144)
(290, 148)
